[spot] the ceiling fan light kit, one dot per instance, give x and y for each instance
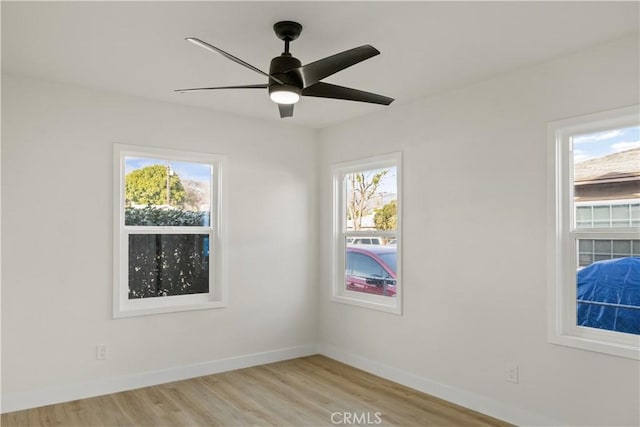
(284, 94)
(289, 79)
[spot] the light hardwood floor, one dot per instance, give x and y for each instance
(301, 392)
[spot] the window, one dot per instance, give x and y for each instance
(169, 246)
(594, 237)
(366, 233)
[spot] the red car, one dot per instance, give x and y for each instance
(371, 269)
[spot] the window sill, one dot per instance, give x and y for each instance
(628, 351)
(142, 307)
(370, 301)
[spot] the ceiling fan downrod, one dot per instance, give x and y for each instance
(287, 31)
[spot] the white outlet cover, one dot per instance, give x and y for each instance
(101, 352)
(512, 373)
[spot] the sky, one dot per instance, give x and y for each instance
(600, 144)
(191, 171)
(388, 183)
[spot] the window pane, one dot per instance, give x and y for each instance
(584, 216)
(608, 290)
(583, 213)
(167, 193)
(371, 268)
(585, 259)
(601, 213)
(622, 247)
(620, 212)
(607, 178)
(391, 260)
(365, 266)
(602, 246)
(585, 246)
(168, 264)
(371, 198)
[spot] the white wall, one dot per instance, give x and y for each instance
(56, 236)
(474, 246)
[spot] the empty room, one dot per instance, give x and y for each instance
(320, 213)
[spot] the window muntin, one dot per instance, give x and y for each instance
(168, 231)
(596, 180)
(366, 226)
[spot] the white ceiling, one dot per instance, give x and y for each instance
(427, 47)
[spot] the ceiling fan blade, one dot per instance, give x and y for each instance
(315, 71)
(214, 49)
(326, 90)
(258, 86)
(286, 110)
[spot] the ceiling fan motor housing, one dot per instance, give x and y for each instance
(279, 68)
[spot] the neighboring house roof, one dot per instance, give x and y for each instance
(616, 167)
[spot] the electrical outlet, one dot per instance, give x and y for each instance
(512, 373)
(101, 351)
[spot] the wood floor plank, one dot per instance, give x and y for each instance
(301, 392)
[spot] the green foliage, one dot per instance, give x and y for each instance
(386, 218)
(148, 186)
(152, 215)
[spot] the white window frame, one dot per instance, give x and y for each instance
(217, 230)
(563, 237)
(339, 235)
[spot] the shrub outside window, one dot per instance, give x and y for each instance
(367, 233)
(169, 245)
(594, 234)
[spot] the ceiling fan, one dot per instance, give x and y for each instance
(289, 79)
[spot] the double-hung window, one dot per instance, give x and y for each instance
(594, 232)
(169, 232)
(367, 233)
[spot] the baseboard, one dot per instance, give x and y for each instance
(33, 398)
(467, 399)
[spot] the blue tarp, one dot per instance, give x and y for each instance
(609, 295)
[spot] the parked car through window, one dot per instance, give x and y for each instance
(371, 269)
